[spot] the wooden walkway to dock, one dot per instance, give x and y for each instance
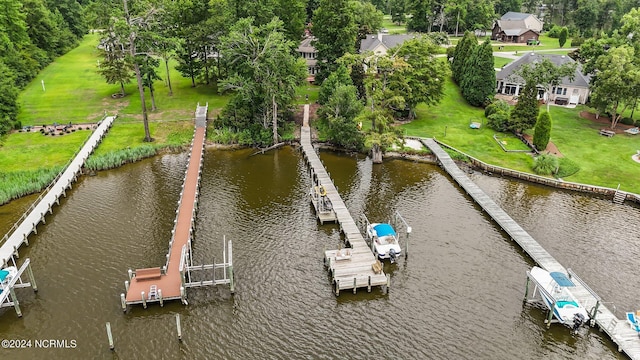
(36, 214)
(167, 283)
(348, 271)
(618, 329)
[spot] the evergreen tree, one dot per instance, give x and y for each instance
(464, 48)
(562, 37)
(479, 77)
(398, 11)
(542, 132)
(421, 15)
(525, 113)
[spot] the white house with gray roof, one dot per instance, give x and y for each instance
(574, 91)
(380, 43)
(309, 54)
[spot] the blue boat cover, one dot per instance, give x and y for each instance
(561, 279)
(3, 274)
(384, 230)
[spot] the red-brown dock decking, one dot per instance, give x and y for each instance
(170, 282)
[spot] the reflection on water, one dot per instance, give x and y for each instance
(458, 295)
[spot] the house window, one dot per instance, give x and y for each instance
(564, 91)
(559, 91)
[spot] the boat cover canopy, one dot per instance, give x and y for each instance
(384, 230)
(3, 274)
(561, 279)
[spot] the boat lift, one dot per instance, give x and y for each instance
(187, 269)
(539, 289)
(7, 293)
(397, 219)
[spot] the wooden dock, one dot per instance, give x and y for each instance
(170, 281)
(36, 214)
(350, 268)
(618, 330)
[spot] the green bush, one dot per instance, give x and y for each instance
(545, 164)
(627, 121)
(566, 167)
(498, 121)
(577, 41)
(554, 32)
(496, 106)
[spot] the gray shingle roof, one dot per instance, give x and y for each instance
(508, 71)
(389, 41)
(512, 15)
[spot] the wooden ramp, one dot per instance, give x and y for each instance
(28, 223)
(618, 330)
(356, 269)
(167, 282)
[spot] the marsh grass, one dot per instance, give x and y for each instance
(119, 157)
(20, 183)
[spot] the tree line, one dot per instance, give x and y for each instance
(32, 34)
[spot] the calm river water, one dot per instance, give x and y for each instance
(457, 296)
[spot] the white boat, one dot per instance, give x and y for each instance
(558, 298)
(6, 275)
(384, 240)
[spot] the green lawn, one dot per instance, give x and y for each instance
(392, 27)
(74, 91)
(603, 161)
(25, 151)
(499, 62)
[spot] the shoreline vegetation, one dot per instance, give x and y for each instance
(23, 155)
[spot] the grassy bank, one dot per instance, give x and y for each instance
(602, 161)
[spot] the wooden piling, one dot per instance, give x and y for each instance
(369, 284)
(144, 300)
(123, 302)
(526, 290)
(179, 327)
(160, 297)
(355, 288)
(110, 336)
(126, 285)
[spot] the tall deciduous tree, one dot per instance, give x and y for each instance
(425, 76)
(264, 72)
(116, 65)
(398, 11)
(337, 78)
(479, 80)
(335, 28)
(340, 112)
(421, 15)
(617, 82)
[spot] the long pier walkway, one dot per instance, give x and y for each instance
(28, 223)
(618, 330)
(350, 268)
(168, 282)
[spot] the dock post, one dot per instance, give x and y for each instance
(126, 285)
(130, 272)
(179, 327)
(406, 246)
(369, 284)
(354, 285)
(183, 295)
(388, 282)
(26, 240)
(16, 303)
(32, 278)
(550, 316)
(123, 302)
(526, 290)
(337, 287)
(144, 300)
(160, 297)
(111, 347)
(595, 312)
